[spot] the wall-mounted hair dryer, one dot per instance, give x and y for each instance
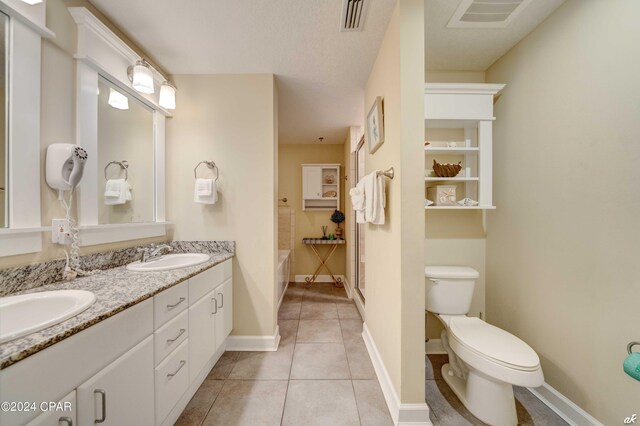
(64, 166)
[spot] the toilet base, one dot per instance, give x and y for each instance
(490, 401)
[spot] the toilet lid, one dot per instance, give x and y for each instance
(451, 272)
(494, 343)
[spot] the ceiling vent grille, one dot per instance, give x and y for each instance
(353, 15)
(486, 13)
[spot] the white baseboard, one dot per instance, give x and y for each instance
(402, 414)
(254, 343)
(359, 304)
(434, 347)
(564, 407)
(319, 278)
(347, 286)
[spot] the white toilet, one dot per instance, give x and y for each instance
(484, 361)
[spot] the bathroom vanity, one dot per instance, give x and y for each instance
(136, 357)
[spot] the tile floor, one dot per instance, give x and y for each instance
(446, 408)
(320, 375)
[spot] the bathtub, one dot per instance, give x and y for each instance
(283, 273)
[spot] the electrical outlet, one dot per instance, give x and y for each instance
(60, 232)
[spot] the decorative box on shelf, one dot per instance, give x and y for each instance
(442, 195)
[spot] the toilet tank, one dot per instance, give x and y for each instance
(449, 289)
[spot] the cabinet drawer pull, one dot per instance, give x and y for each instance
(182, 299)
(222, 300)
(182, 331)
(182, 363)
(67, 420)
(215, 305)
(103, 397)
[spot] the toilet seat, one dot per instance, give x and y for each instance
(493, 352)
(493, 343)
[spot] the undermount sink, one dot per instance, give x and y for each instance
(169, 261)
(28, 313)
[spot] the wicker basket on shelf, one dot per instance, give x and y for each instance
(447, 169)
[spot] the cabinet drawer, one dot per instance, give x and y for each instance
(169, 303)
(172, 381)
(206, 281)
(170, 336)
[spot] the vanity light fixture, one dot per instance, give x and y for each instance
(167, 95)
(32, 2)
(118, 100)
(141, 77)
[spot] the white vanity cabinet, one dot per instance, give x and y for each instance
(139, 367)
(210, 316)
(121, 393)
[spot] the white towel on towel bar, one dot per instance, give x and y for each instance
(205, 191)
(358, 201)
(116, 191)
(369, 200)
(379, 201)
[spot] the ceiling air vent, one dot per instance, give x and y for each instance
(353, 14)
(486, 13)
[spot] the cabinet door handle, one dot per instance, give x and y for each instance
(67, 420)
(170, 307)
(182, 363)
(182, 331)
(222, 300)
(215, 305)
(103, 397)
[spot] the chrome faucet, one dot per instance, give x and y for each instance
(152, 253)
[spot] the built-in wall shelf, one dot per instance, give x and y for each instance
(462, 115)
(456, 150)
(451, 179)
(460, 207)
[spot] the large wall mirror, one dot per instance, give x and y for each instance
(125, 157)
(4, 175)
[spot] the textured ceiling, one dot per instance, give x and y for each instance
(463, 49)
(321, 72)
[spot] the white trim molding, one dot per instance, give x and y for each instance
(402, 414)
(254, 343)
(103, 234)
(463, 88)
(564, 407)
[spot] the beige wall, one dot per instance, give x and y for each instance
(58, 123)
(230, 119)
(395, 251)
(309, 224)
(455, 237)
(562, 247)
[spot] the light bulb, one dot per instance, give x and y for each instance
(117, 99)
(167, 96)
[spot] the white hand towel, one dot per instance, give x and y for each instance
(369, 183)
(206, 198)
(379, 200)
(204, 187)
(359, 201)
(115, 192)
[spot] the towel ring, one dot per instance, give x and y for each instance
(124, 164)
(631, 345)
(210, 164)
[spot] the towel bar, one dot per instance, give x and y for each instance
(124, 164)
(210, 164)
(390, 172)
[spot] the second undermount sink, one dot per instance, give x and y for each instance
(169, 261)
(28, 313)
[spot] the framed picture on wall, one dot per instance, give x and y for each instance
(375, 125)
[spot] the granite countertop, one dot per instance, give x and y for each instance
(116, 289)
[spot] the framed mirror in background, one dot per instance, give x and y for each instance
(126, 140)
(4, 172)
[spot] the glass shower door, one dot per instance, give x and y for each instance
(360, 228)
